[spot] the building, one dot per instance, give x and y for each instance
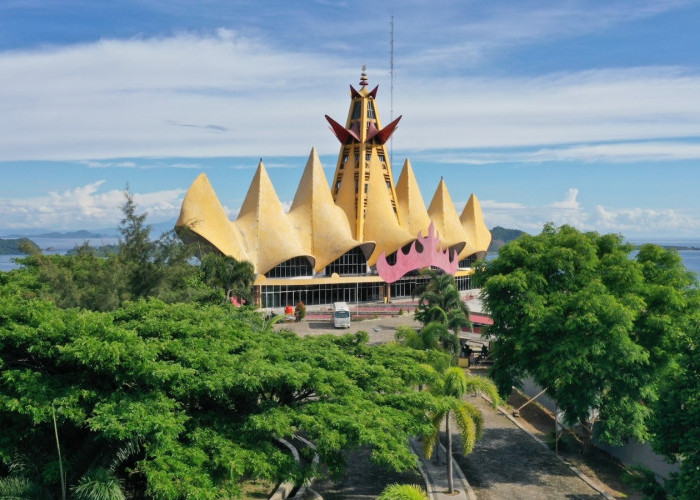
(364, 238)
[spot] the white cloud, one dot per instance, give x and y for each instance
(615, 152)
(634, 221)
(85, 207)
(193, 95)
(615, 105)
(108, 164)
(569, 202)
(186, 95)
(492, 205)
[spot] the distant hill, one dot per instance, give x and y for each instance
(500, 236)
(73, 235)
(17, 246)
(70, 234)
(157, 229)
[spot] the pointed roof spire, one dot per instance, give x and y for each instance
(202, 215)
(363, 77)
(265, 228)
(323, 228)
(442, 212)
(410, 205)
(478, 235)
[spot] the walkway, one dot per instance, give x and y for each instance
(435, 477)
(507, 463)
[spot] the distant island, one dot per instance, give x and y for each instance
(17, 246)
(677, 247)
(71, 234)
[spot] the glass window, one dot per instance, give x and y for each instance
(294, 267)
(356, 110)
(370, 110)
(351, 263)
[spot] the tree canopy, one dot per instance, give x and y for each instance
(676, 422)
(186, 400)
(592, 325)
(139, 266)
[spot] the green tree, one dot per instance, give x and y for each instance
(591, 325)
(676, 422)
(233, 277)
(78, 280)
(439, 300)
(141, 267)
(141, 256)
(451, 388)
(442, 310)
(192, 397)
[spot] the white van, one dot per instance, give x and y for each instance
(341, 315)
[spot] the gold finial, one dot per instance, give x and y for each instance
(363, 78)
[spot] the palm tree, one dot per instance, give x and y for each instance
(99, 484)
(440, 305)
(225, 272)
(450, 388)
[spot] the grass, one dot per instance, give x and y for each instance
(258, 488)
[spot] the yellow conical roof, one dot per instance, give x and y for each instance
(478, 235)
(412, 213)
(203, 214)
(267, 235)
(443, 214)
(382, 224)
(321, 226)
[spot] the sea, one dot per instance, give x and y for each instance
(691, 258)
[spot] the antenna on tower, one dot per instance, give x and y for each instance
(391, 90)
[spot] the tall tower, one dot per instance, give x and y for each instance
(363, 151)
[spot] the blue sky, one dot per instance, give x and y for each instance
(578, 112)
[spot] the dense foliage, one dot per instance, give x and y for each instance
(186, 400)
(138, 267)
(676, 422)
(155, 386)
(595, 327)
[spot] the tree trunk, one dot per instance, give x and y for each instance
(587, 437)
(448, 454)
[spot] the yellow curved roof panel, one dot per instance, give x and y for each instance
(410, 205)
(478, 235)
(267, 235)
(203, 214)
(381, 223)
(443, 214)
(322, 227)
